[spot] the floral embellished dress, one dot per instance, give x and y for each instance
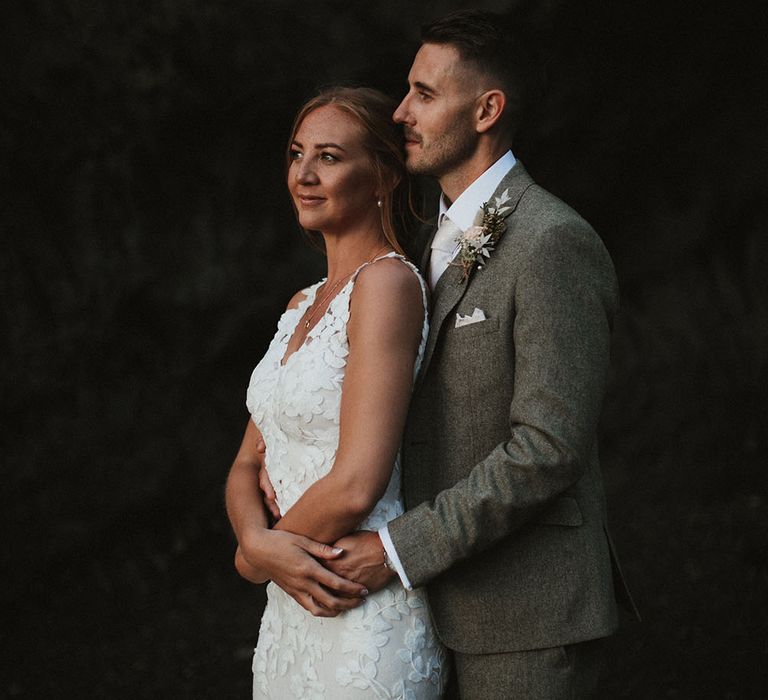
(386, 648)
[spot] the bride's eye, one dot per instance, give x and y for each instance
(328, 157)
(294, 154)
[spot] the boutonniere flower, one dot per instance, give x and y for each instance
(476, 244)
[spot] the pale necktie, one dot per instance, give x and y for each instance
(443, 249)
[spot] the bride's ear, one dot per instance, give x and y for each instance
(389, 183)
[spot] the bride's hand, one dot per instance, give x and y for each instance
(291, 561)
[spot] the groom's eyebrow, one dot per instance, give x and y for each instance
(424, 87)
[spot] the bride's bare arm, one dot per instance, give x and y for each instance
(384, 331)
(245, 509)
(290, 560)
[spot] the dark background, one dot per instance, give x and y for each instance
(149, 246)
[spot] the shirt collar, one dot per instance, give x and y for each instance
(463, 211)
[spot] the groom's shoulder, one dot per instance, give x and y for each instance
(541, 207)
(543, 218)
(545, 233)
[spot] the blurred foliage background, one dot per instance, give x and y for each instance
(149, 248)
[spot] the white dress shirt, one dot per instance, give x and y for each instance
(462, 213)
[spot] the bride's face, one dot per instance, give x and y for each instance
(330, 176)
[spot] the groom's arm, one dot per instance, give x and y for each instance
(564, 298)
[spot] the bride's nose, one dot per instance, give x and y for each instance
(305, 173)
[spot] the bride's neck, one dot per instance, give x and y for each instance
(346, 253)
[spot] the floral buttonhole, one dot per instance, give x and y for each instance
(476, 244)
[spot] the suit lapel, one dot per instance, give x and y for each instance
(449, 288)
(446, 296)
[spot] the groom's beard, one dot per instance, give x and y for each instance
(438, 155)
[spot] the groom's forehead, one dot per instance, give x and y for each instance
(435, 63)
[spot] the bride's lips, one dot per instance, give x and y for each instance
(309, 200)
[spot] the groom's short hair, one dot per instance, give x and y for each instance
(487, 42)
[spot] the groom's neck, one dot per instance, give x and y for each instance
(453, 183)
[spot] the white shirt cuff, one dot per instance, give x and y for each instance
(389, 548)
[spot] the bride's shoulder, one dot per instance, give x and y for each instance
(296, 299)
(299, 297)
(389, 293)
(393, 277)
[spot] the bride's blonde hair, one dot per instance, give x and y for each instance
(385, 145)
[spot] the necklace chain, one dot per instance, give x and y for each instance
(318, 303)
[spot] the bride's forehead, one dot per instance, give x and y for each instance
(329, 124)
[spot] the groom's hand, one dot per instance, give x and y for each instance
(291, 561)
(267, 490)
(362, 560)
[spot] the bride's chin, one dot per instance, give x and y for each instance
(310, 223)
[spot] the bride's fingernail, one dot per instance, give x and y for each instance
(364, 591)
(337, 550)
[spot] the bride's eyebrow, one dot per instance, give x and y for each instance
(298, 144)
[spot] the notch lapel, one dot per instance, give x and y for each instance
(449, 288)
(447, 294)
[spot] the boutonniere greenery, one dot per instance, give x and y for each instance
(477, 242)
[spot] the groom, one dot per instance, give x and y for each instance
(506, 520)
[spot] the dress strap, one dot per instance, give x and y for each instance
(424, 298)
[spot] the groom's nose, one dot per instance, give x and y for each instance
(401, 114)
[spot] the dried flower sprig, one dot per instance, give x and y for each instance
(477, 242)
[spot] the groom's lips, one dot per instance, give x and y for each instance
(411, 140)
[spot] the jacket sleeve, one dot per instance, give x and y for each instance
(565, 296)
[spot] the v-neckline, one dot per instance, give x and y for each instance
(311, 332)
(300, 310)
(285, 359)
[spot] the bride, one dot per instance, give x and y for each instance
(330, 399)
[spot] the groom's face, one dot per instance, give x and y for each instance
(438, 112)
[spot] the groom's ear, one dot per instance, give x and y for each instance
(489, 109)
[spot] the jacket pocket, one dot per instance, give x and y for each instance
(478, 328)
(564, 511)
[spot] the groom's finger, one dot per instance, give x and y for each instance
(270, 497)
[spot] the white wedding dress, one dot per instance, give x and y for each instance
(386, 648)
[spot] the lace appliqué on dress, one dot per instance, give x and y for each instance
(386, 648)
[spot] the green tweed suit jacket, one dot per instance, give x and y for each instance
(506, 513)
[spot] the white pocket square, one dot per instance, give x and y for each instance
(476, 317)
